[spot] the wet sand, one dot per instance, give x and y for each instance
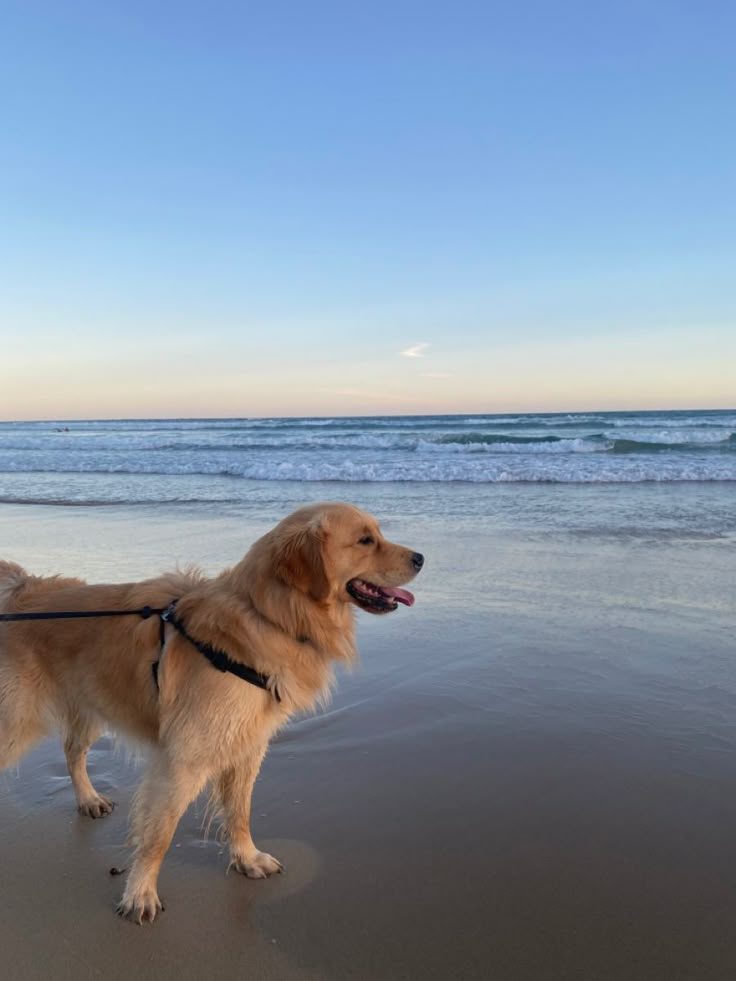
(532, 775)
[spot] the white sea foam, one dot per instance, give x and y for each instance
(574, 445)
(589, 448)
(672, 437)
(542, 466)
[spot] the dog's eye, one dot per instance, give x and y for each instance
(367, 540)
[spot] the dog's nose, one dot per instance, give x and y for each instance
(417, 560)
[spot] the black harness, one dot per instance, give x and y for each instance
(218, 659)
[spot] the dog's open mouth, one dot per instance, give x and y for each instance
(378, 599)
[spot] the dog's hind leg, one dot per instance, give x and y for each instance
(16, 741)
(20, 725)
(78, 737)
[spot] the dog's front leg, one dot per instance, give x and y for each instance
(167, 789)
(235, 788)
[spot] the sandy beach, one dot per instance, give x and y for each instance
(531, 775)
(468, 266)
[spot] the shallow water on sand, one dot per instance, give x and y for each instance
(531, 775)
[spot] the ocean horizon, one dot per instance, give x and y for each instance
(169, 460)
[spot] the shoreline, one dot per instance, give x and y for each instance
(530, 775)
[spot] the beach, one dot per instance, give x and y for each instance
(470, 268)
(531, 774)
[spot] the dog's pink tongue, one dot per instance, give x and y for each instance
(400, 595)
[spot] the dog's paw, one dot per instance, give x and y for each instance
(259, 865)
(96, 807)
(140, 907)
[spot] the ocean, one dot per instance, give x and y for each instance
(219, 460)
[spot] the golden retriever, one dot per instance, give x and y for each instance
(285, 610)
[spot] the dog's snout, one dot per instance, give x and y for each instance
(417, 560)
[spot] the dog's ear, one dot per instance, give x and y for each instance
(300, 562)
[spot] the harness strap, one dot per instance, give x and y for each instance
(145, 612)
(217, 658)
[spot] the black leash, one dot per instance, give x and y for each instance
(217, 658)
(145, 613)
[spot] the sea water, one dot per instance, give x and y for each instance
(185, 460)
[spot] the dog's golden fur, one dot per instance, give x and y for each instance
(283, 610)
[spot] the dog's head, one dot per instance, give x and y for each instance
(337, 552)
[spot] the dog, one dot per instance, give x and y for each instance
(284, 613)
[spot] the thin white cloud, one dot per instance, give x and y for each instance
(415, 351)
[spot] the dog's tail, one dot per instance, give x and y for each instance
(23, 715)
(11, 577)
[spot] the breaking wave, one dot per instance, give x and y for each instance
(586, 447)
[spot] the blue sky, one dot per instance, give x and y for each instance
(249, 209)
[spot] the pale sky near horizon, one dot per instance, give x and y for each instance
(240, 209)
